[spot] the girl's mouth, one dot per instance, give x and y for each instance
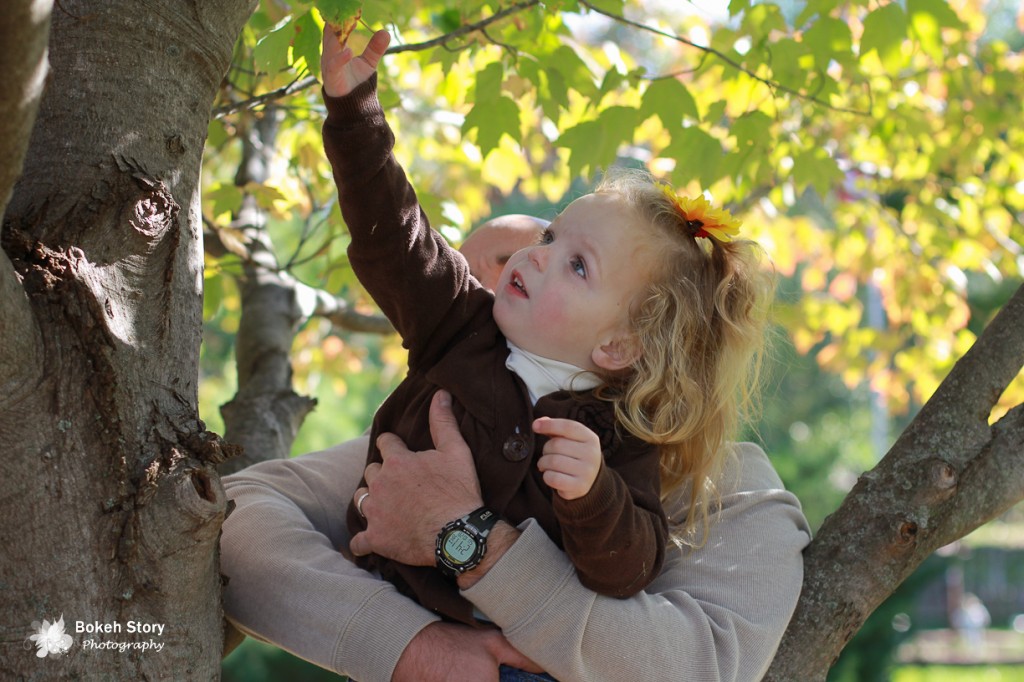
(516, 284)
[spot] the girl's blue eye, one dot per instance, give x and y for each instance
(546, 237)
(578, 266)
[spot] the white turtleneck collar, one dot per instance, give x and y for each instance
(543, 375)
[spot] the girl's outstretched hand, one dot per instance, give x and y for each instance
(342, 71)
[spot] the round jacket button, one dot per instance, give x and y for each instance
(516, 448)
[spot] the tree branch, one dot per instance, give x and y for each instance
(266, 413)
(464, 30)
(312, 301)
(317, 302)
(772, 85)
(266, 98)
(948, 473)
(310, 81)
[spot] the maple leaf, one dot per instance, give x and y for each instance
(341, 17)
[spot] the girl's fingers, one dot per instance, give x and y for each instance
(564, 464)
(564, 428)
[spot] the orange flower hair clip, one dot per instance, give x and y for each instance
(701, 218)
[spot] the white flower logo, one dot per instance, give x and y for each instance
(51, 638)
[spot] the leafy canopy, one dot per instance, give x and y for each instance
(875, 149)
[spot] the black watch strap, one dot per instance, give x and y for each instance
(481, 521)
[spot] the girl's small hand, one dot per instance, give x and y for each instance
(571, 457)
(341, 72)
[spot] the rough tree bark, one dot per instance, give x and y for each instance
(110, 503)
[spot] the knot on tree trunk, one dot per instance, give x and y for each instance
(152, 213)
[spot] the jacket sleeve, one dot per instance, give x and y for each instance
(287, 582)
(615, 535)
(715, 613)
(411, 272)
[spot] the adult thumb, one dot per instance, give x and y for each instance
(444, 428)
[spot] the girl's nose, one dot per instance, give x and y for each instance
(539, 257)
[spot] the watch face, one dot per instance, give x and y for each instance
(459, 546)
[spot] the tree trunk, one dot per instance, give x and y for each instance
(110, 502)
(266, 413)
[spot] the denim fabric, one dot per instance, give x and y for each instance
(516, 675)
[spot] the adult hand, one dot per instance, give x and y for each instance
(413, 494)
(445, 652)
(341, 72)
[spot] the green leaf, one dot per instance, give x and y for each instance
(551, 89)
(927, 19)
(885, 29)
(816, 168)
(669, 100)
(815, 8)
(493, 118)
(698, 157)
(337, 11)
(447, 21)
(612, 6)
(271, 52)
(762, 19)
(829, 39)
(612, 81)
(213, 293)
(227, 198)
(216, 134)
(715, 112)
(306, 44)
(752, 130)
(941, 13)
(559, 6)
(488, 82)
(786, 61)
(573, 69)
(738, 7)
(595, 144)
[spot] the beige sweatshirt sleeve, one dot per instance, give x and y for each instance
(287, 582)
(717, 613)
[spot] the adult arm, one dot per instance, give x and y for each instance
(714, 613)
(289, 585)
(287, 581)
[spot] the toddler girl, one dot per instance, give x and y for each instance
(604, 371)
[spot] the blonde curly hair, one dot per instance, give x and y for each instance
(700, 329)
